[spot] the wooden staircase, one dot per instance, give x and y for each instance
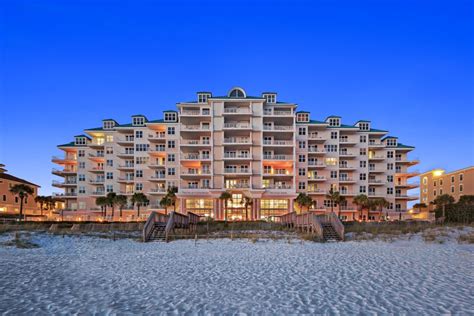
(160, 227)
(158, 232)
(329, 233)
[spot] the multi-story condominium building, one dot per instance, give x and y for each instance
(10, 203)
(437, 182)
(255, 147)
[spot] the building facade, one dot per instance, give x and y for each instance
(10, 203)
(437, 182)
(254, 147)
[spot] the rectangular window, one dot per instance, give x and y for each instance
(109, 188)
(138, 186)
(389, 190)
(170, 117)
(138, 134)
(302, 185)
(171, 144)
(363, 138)
(302, 131)
(81, 177)
(389, 154)
(171, 130)
(333, 174)
(171, 171)
(333, 135)
(302, 171)
(110, 175)
(389, 178)
(363, 177)
(461, 177)
(363, 151)
(362, 189)
(139, 173)
(363, 164)
(301, 158)
(81, 153)
(302, 144)
(171, 157)
(460, 188)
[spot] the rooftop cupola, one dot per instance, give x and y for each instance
(109, 123)
(270, 97)
(203, 96)
(333, 121)
(363, 125)
(237, 93)
(139, 120)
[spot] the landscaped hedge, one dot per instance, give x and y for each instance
(460, 212)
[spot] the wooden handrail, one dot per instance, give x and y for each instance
(336, 223)
(153, 218)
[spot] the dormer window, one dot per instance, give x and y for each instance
(392, 142)
(170, 116)
(334, 122)
(108, 124)
(237, 93)
(270, 97)
(202, 97)
(302, 117)
(80, 140)
(364, 126)
(138, 121)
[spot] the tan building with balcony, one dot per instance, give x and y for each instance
(10, 203)
(437, 182)
(255, 147)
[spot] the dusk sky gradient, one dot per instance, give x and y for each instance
(405, 65)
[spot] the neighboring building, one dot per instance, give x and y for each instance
(250, 146)
(10, 203)
(437, 182)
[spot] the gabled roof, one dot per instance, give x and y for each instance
(333, 116)
(82, 135)
(404, 146)
(362, 121)
(344, 126)
(94, 129)
(7, 176)
(71, 144)
(373, 130)
(302, 112)
(387, 137)
(174, 111)
(110, 120)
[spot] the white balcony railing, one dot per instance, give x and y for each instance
(236, 155)
(237, 140)
(278, 157)
(278, 128)
(237, 125)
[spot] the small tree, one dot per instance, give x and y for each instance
(419, 206)
(225, 196)
(121, 201)
(41, 200)
(111, 201)
(381, 204)
(50, 202)
(303, 200)
(102, 202)
(139, 199)
(172, 196)
(166, 202)
(247, 202)
(336, 200)
(442, 201)
(362, 202)
(22, 191)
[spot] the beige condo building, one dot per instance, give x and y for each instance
(255, 147)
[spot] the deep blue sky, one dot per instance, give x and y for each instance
(405, 65)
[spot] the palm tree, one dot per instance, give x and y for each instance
(172, 196)
(225, 196)
(247, 202)
(442, 201)
(166, 202)
(111, 202)
(362, 202)
(102, 202)
(139, 199)
(304, 200)
(381, 203)
(50, 202)
(23, 191)
(336, 199)
(121, 201)
(41, 200)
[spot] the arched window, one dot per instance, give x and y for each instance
(237, 93)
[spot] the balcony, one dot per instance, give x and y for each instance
(404, 160)
(97, 181)
(127, 141)
(195, 128)
(196, 172)
(347, 193)
(312, 150)
(346, 180)
(279, 128)
(376, 170)
(237, 126)
(96, 170)
(346, 154)
(237, 171)
(161, 136)
(346, 167)
(125, 180)
(376, 194)
(376, 157)
(316, 164)
(407, 173)
(126, 154)
(158, 177)
(236, 110)
(376, 144)
(406, 197)
(407, 186)
(157, 191)
(127, 192)
(195, 142)
(239, 185)
(316, 191)
(376, 182)
(63, 172)
(156, 165)
(237, 141)
(316, 137)
(195, 157)
(278, 157)
(65, 195)
(229, 155)
(278, 173)
(277, 113)
(64, 160)
(280, 186)
(61, 184)
(96, 144)
(195, 113)
(347, 141)
(278, 143)
(126, 167)
(316, 178)
(198, 190)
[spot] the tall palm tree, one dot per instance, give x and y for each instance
(225, 196)
(139, 199)
(382, 203)
(172, 196)
(303, 200)
(23, 191)
(166, 202)
(247, 202)
(362, 202)
(336, 199)
(442, 201)
(121, 201)
(50, 202)
(102, 202)
(373, 205)
(112, 202)
(41, 200)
